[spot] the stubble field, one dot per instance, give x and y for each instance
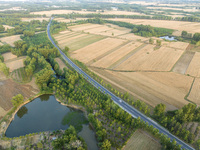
(130, 64)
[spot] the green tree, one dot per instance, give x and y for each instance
(151, 41)
(17, 100)
(158, 42)
(106, 145)
(184, 33)
(2, 29)
(159, 111)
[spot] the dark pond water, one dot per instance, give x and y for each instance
(170, 38)
(44, 114)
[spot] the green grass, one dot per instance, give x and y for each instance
(75, 119)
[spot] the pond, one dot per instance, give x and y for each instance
(170, 38)
(44, 114)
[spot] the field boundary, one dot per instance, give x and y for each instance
(186, 96)
(120, 61)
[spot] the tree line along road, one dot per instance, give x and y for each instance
(126, 107)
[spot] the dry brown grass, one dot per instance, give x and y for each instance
(116, 55)
(83, 27)
(149, 59)
(10, 39)
(141, 140)
(191, 27)
(30, 19)
(8, 56)
(1, 44)
(194, 67)
(69, 20)
(131, 36)
(195, 94)
(96, 49)
(15, 64)
(61, 63)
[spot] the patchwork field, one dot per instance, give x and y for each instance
(111, 58)
(96, 49)
(191, 27)
(194, 95)
(141, 140)
(194, 67)
(132, 65)
(106, 30)
(51, 12)
(149, 59)
(75, 40)
(10, 39)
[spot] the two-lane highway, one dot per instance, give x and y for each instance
(131, 110)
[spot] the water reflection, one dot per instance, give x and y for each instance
(22, 111)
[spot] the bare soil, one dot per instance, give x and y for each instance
(10, 39)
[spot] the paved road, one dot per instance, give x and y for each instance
(131, 110)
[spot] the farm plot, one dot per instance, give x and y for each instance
(194, 67)
(8, 56)
(83, 27)
(9, 88)
(131, 36)
(116, 55)
(176, 45)
(76, 40)
(10, 39)
(20, 75)
(15, 64)
(183, 63)
(141, 140)
(151, 87)
(96, 49)
(194, 95)
(191, 27)
(148, 59)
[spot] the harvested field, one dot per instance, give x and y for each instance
(141, 140)
(69, 20)
(96, 49)
(151, 87)
(7, 27)
(51, 12)
(30, 19)
(131, 36)
(9, 88)
(194, 95)
(76, 41)
(194, 67)
(10, 39)
(176, 45)
(15, 64)
(61, 63)
(106, 30)
(1, 44)
(8, 56)
(116, 55)
(183, 63)
(191, 27)
(149, 59)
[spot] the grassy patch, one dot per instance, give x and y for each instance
(75, 119)
(20, 75)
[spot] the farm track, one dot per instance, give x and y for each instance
(120, 61)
